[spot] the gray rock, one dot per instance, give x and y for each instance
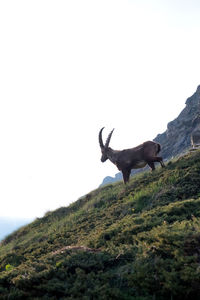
(177, 138)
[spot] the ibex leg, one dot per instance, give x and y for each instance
(155, 159)
(160, 160)
(162, 163)
(151, 165)
(126, 174)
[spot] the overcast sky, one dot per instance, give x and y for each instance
(68, 68)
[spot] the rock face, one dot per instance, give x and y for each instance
(177, 137)
(180, 133)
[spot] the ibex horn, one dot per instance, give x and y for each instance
(100, 138)
(108, 139)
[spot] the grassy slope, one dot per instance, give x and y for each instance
(147, 235)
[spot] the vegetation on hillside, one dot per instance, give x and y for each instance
(140, 241)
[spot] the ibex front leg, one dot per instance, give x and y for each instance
(126, 175)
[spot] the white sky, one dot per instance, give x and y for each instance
(68, 68)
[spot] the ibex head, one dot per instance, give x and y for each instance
(104, 148)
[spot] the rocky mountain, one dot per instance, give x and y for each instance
(109, 179)
(177, 138)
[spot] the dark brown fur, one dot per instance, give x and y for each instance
(134, 158)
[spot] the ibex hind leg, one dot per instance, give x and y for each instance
(162, 163)
(160, 160)
(156, 159)
(151, 165)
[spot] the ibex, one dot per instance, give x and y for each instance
(128, 159)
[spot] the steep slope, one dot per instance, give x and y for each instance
(139, 241)
(177, 138)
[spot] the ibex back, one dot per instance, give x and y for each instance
(128, 159)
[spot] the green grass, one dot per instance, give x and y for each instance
(147, 234)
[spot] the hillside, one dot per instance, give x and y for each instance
(177, 138)
(140, 242)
